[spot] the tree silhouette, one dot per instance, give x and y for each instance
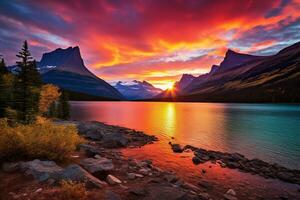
(27, 87)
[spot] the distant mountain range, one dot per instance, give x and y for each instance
(137, 90)
(238, 78)
(65, 68)
(245, 78)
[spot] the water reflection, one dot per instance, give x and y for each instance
(269, 132)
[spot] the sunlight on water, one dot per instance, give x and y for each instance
(266, 131)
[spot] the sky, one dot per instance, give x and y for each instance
(152, 40)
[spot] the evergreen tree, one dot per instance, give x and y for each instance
(3, 68)
(27, 87)
(63, 106)
(52, 112)
(34, 75)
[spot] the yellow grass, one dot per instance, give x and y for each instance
(72, 191)
(43, 140)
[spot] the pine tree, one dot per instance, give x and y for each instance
(52, 112)
(27, 87)
(34, 75)
(3, 69)
(63, 106)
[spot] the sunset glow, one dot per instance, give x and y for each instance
(124, 40)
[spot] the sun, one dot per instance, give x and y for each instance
(171, 87)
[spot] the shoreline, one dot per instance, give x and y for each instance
(138, 178)
(240, 162)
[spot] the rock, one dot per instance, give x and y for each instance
(42, 170)
(171, 178)
(123, 187)
(90, 150)
(92, 130)
(97, 165)
(223, 165)
(144, 171)
(76, 173)
(206, 185)
(11, 167)
(38, 190)
(157, 169)
(131, 176)
(204, 196)
(231, 192)
(112, 180)
(190, 187)
(132, 162)
(114, 140)
(164, 192)
(286, 176)
(229, 197)
(238, 157)
(138, 191)
(110, 195)
(14, 195)
(202, 156)
(139, 175)
(232, 164)
(145, 163)
(196, 160)
(176, 148)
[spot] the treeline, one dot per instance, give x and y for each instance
(24, 97)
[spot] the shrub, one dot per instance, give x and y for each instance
(42, 140)
(72, 191)
(48, 95)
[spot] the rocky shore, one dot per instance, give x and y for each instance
(240, 162)
(109, 175)
(99, 164)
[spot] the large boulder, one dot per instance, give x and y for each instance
(92, 130)
(100, 164)
(114, 140)
(108, 136)
(76, 173)
(42, 170)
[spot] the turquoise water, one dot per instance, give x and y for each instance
(265, 131)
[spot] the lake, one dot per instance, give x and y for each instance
(270, 132)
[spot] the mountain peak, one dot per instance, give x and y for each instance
(214, 69)
(68, 59)
(230, 51)
(184, 81)
(234, 59)
(137, 89)
(186, 77)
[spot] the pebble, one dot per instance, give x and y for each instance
(231, 192)
(112, 180)
(38, 190)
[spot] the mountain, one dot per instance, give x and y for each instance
(247, 78)
(185, 80)
(65, 68)
(137, 90)
(178, 86)
(233, 60)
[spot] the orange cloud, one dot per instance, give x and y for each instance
(152, 40)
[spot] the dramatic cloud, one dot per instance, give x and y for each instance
(149, 40)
